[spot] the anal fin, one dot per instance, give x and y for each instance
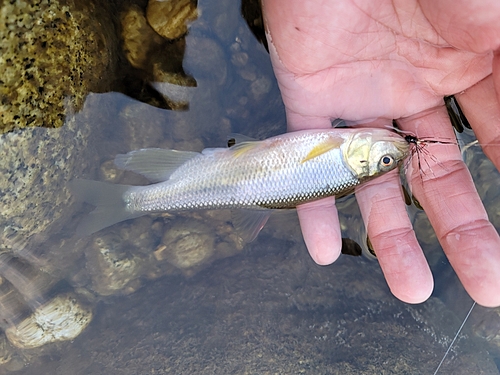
(248, 223)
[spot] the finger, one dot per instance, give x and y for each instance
(319, 220)
(297, 122)
(481, 107)
(496, 73)
(391, 234)
(320, 226)
(445, 189)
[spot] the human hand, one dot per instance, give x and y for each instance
(372, 62)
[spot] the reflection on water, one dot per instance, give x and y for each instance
(180, 294)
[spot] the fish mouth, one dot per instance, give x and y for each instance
(403, 148)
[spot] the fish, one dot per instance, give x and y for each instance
(252, 177)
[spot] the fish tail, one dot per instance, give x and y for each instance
(108, 199)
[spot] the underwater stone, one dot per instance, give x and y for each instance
(189, 243)
(36, 164)
(51, 56)
(62, 318)
(137, 34)
(170, 18)
(112, 265)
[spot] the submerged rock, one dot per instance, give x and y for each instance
(112, 265)
(170, 18)
(36, 164)
(52, 56)
(60, 319)
(138, 36)
(272, 310)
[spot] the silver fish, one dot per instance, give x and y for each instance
(279, 172)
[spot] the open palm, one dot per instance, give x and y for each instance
(371, 62)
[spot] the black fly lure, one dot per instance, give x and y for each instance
(419, 148)
(458, 121)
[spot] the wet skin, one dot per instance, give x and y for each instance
(371, 62)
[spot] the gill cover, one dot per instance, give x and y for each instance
(356, 152)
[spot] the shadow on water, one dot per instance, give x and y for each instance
(180, 294)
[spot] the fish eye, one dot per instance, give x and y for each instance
(387, 160)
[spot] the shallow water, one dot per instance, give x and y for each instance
(194, 300)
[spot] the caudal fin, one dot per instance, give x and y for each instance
(108, 199)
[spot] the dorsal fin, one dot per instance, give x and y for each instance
(242, 148)
(156, 164)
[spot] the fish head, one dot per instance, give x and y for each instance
(370, 153)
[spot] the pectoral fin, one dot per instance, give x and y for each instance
(323, 147)
(241, 149)
(156, 164)
(248, 223)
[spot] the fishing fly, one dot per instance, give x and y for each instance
(419, 149)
